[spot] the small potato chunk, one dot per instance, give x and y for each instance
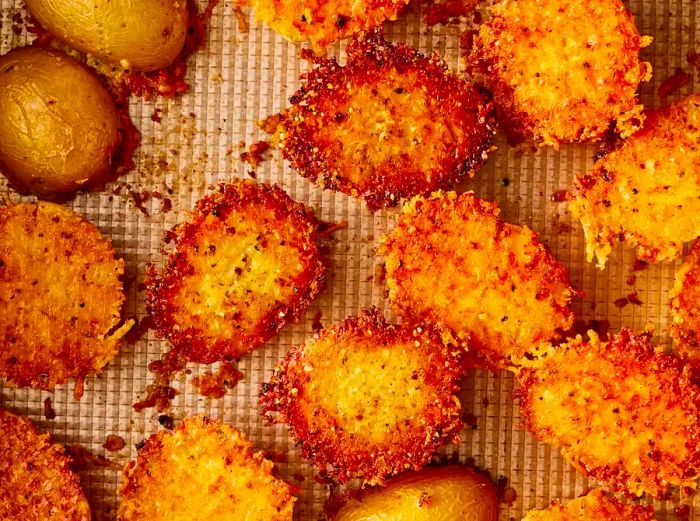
(451, 493)
(59, 126)
(144, 35)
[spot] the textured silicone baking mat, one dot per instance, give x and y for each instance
(241, 77)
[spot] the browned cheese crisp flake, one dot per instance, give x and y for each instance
(322, 22)
(561, 71)
(368, 399)
(36, 481)
(60, 294)
(594, 506)
(647, 192)
(453, 262)
(203, 469)
(621, 411)
(244, 264)
(390, 123)
(685, 307)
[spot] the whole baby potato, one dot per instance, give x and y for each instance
(59, 126)
(144, 35)
(447, 493)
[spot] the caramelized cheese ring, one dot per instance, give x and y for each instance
(368, 399)
(561, 71)
(594, 506)
(244, 264)
(620, 411)
(685, 307)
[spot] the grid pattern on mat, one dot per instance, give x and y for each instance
(240, 78)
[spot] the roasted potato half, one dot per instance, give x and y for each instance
(453, 262)
(59, 126)
(450, 493)
(621, 411)
(60, 296)
(36, 481)
(144, 35)
(204, 469)
(368, 399)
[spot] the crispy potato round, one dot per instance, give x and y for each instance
(452, 261)
(244, 264)
(451, 493)
(36, 481)
(620, 411)
(368, 399)
(647, 192)
(203, 469)
(391, 123)
(145, 35)
(322, 22)
(561, 71)
(594, 506)
(60, 296)
(59, 126)
(685, 307)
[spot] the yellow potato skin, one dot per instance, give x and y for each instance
(59, 126)
(143, 35)
(449, 493)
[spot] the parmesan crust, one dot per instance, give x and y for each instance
(244, 264)
(368, 399)
(647, 192)
(203, 469)
(36, 481)
(60, 295)
(594, 506)
(390, 123)
(622, 412)
(322, 22)
(561, 71)
(452, 261)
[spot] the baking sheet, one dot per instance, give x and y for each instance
(238, 79)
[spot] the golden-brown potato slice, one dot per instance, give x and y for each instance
(451, 493)
(322, 22)
(60, 296)
(685, 307)
(452, 261)
(368, 399)
(594, 506)
(36, 481)
(390, 123)
(561, 71)
(647, 192)
(203, 469)
(620, 411)
(244, 264)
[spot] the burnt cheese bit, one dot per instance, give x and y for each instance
(452, 261)
(322, 22)
(244, 263)
(368, 399)
(390, 123)
(647, 192)
(685, 309)
(594, 506)
(204, 469)
(621, 411)
(561, 71)
(36, 479)
(61, 297)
